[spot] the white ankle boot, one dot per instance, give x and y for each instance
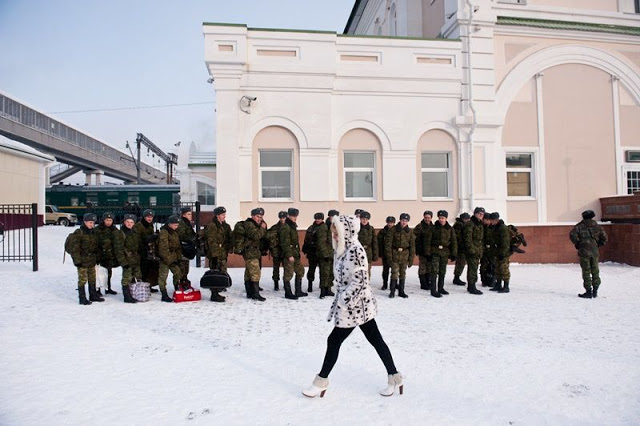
(319, 386)
(394, 383)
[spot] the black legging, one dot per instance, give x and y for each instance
(371, 332)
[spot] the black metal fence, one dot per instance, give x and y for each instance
(19, 233)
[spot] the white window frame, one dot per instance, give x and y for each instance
(628, 167)
(213, 195)
(372, 170)
(448, 170)
(275, 169)
(531, 170)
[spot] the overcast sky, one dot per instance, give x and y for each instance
(79, 55)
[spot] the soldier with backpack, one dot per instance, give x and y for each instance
(170, 254)
(386, 261)
(587, 237)
(105, 234)
(126, 245)
(290, 246)
(274, 248)
(187, 242)
(310, 248)
(461, 260)
(252, 245)
(82, 245)
(148, 260)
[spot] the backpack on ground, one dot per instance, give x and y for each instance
(238, 238)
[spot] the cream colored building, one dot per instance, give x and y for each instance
(527, 107)
(196, 171)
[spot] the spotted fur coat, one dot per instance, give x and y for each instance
(354, 303)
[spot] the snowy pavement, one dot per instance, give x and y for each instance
(538, 355)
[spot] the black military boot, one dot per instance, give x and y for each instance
(256, 292)
(595, 291)
(248, 288)
(392, 288)
(310, 287)
(299, 292)
(385, 284)
(401, 292)
(441, 289)
(423, 282)
(82, 296)
(126, 292)
(215, 296)
(94, 296)
(165, 295)
(323, 292)
(504, 289)
(587, 294)
(427, 281)
(152, 289)
(458, 281)
(497, 286)
(471, 288)
(287, 291)
(433, 287)
(276, 287)
(108, 290)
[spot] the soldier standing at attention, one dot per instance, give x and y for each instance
(400, 247)
(254, 234)
(170, 254)
(386, 261)
(461, 260)
(148, 267)
(290, 246)
(423, 231)
(218, 245)
(274, 248)
(188, 235)
(502, 244)
(587, 236)
(310, 248)
(367, 237)
(126, 246)
(324, 254)
(443, 247)
(105, 233)
(84, 252)
(473, 236)
(488, 258)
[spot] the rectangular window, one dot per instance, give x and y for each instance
(92, 199)
(519, 175)
(637, 6)
(436, 174)
(633, 181)
(359, 175)
(276, 174)
(74, 201)
(206, 194)
(153, 200)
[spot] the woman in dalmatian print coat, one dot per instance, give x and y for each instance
(354, 305)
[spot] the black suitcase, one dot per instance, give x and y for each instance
(215, 279)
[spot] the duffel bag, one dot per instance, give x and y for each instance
(215, 279)
(140, 290)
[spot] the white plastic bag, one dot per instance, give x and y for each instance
(102, 277)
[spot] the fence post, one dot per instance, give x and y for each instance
(198, 260)
(34, 235)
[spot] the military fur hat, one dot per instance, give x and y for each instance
(219, 210)
(129, 216)
(588, 214)
(318, 216)
(358, 212)
(282, 214)
(465, 216)
(173, 219)
(185, 210)
(427, 212)
(405, 216)
(443, 213)
(478, 210)
(365, 215)
(257, 211)
(108, 215)
(391, 219)
(148, 212)
(89, 217)
(293, 212)
(333, 212)
(494, 216)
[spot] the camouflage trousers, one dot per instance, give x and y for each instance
(218, 263)
(439, 265)
(386, 268)
(325, 272)
(313, 264)
(163, 273)
(424, 265)
(399, 264)
(461, 262)
(472, 269)
(590, 272)
(293, 267)
(86, 274)
(502, 269)
(252, 270)
(277, 263)
(487, 267)
(184, 267)
(129, 274)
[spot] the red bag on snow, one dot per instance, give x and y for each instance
(187, 295)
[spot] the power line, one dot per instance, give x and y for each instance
(130, 108)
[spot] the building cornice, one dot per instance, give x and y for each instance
(568, 25)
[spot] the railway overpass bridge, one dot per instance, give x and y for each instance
(70, 146)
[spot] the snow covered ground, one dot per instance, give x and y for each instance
(539, 355)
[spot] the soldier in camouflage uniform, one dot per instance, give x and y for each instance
(148, 267)
(84, 252)
(290, 246)
(367, 237)
(126, 246)
(310, 248)
(400, 247)
(386, 261)
(186, 235)
(324, 253)
(274, 248)
(461, 260)
(501, 244)
(423, 231)
(488, 259)
(254, 234)
(105, 233)
(218, 244)
(473, 237)
(587, 236)
(170, 254)
(444, 246)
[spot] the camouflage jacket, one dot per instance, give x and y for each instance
(400, 239)
(587, 236)
(253, 239)
(473, 237)
(423, 231)
(367, 237)
(501, 240)
(489, 248)
(106, 238)
(218, 239)
(127, 246)
(144, 230)
(322, 248)
(381, 237)
(443, 241)
(289, 243)
(84, 249)
(169, 248)
(457, 228)
(185, 230)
